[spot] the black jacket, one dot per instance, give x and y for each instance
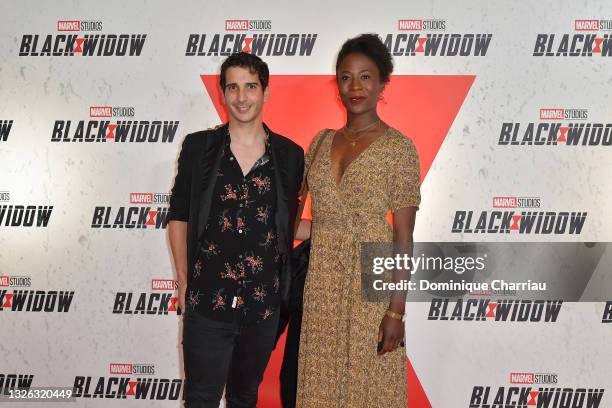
(191, 197)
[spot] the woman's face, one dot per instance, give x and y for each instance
(359, 83)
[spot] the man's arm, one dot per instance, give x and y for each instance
(179, 218)
(177, 231)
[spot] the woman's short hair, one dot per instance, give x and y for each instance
(372, 47)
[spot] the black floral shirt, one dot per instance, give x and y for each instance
(236, 274)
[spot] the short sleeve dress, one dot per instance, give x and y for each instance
(338, 364)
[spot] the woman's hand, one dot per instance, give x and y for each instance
(392, 331)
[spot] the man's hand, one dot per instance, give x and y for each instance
(182, 290)
(177, 232)
(392, 331)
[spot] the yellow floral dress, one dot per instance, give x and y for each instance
(338, 364)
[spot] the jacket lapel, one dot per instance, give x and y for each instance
(211, 161)
(281, 176)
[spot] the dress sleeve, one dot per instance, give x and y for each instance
(404, 176)
(313, 145)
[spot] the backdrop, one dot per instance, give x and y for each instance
(502, 99)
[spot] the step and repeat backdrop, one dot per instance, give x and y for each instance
(508, 104)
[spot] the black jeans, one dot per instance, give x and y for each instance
(218, 353)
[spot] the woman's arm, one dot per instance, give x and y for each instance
(403, 226)
(391, 328)
(303, 231)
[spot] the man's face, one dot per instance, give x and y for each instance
(244, 95)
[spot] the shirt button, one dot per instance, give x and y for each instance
(240, 231)
(231, 159)
(241, 205)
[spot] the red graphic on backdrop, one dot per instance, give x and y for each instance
(111, 131)
(491, 309)
(421, 46)
(515, 222)
(598, 42)
(247, 44)
(172, 306)
(152, 215)
(79, 45)
(532, 398)
(131, 388)
(563, 134)
(422, 107)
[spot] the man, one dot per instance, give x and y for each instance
(232, 212)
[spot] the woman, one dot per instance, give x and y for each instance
(360, 172)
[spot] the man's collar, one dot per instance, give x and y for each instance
(266, 137)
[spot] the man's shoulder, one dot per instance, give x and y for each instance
(200, 137)
(284, 141)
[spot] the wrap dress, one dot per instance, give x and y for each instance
(338, 364)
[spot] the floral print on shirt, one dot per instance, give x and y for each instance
(237, 269)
